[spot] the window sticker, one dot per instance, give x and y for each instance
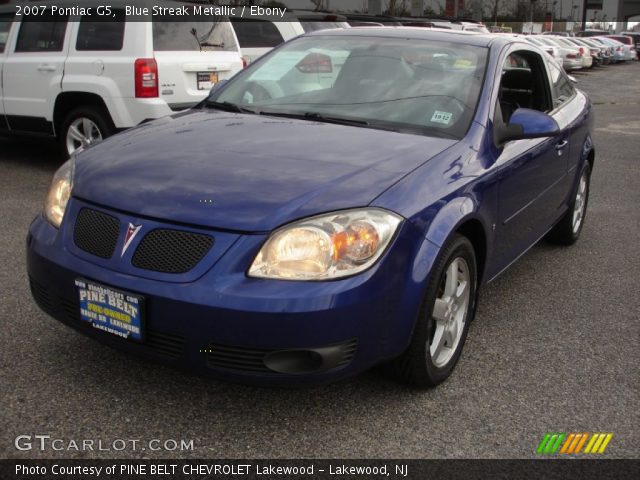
(441, 117)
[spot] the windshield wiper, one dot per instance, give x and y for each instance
(318, 117)
(229, 107)
(194, 32)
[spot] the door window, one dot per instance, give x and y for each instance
(523, 84)
(42, 34)
(561, 88)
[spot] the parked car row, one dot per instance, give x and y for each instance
(576, 53)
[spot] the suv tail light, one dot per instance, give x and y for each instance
(146, 78)
(245, 62)
(581, 51)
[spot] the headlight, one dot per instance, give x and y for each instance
(327, 246)
(59, 193)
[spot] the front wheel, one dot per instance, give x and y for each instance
(443, 321)
(83, 127)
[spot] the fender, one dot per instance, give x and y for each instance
(449, 218)
(452, 217)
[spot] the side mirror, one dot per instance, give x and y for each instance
(572, 79)
(217, 86)
(526, 123)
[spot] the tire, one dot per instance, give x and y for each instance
(567, 231)
(94, 119)
(423, 364)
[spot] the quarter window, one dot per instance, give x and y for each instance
(561, 88)
(42, 34)
(105, 35)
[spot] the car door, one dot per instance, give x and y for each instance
(533, 172)
(32, 73)
(6, 21)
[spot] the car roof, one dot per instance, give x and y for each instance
(419, 33)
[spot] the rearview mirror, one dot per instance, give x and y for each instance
(217, 86)
(526, 123)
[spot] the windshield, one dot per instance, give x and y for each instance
(415, 86)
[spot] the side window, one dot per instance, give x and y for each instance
(561, 88)
(105, 35)
(42, 35)
(523, 84)
(5, 25)
(256, 33)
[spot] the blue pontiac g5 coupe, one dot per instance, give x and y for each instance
(336, 205)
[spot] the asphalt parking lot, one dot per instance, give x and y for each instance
(554, 347)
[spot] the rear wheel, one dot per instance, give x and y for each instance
(443, 321)
(567, 231)
(84, 126)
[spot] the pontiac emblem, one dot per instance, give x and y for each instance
(132, 231)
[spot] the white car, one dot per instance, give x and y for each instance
(82, 80)
(258, 35)
(585, 52)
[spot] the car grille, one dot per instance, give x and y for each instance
(237, 358)
(164, 344)
(171, 251)
(96, 232)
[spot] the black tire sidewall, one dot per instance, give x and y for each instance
(419, 367)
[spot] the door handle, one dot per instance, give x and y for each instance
(46, 68)
(562, 144)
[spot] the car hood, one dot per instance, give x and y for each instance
(245, 172)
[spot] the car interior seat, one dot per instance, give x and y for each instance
(516, 91)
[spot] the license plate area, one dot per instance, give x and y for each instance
(206, 80)
(113, 311)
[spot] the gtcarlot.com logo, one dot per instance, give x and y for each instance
(46, 442)
(573, 443)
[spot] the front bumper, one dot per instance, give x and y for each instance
(227, 325)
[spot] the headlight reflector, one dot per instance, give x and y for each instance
(326, 247)
(59, 194)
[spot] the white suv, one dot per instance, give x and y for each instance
(82, 80)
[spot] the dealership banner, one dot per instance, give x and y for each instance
(201, 469)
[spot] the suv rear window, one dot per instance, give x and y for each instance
(256, 33)
(44, 33)
(172, 36)
(105, 35)
(5, 26)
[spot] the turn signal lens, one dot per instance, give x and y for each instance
(326, 247)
